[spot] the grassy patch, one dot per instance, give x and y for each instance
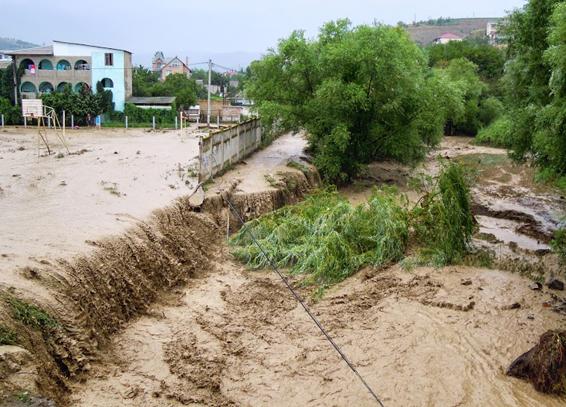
(7, 336)
(31, 315)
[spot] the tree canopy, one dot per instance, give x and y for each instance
(535, 85)
(362, 93)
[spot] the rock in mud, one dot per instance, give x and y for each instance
(535, 286)
(545, 364)
(555, 284)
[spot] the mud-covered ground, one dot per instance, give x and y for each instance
(53, 206)
(421, 337)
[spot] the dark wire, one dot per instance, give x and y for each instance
(305, 307)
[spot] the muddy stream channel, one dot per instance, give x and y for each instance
(228, 336)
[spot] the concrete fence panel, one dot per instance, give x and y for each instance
(221, 149)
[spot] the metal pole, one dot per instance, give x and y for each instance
(126, 121)
(153, 122)
(2, 120)
(72, 121)
(176, 124)
(49, 121)
(25, 122)
(209, 85)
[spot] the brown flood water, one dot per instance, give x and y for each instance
(51, 207)
(425, 337)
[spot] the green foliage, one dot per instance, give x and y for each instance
(138, 115)
(559, 244)
(490, 109)
(498, 134)
(146, 83)
(361, 93)
(441, 21)
(326, 238)
(7, 84)
(31, 315)
(489, 60)
(7, 336)
(536, 85)
(12, 114)
(143, 80)
(81, 105)
(443, 220)
(465, 113)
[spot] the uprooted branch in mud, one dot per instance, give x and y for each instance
(327, 239)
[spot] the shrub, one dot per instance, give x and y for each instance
(490, 109)
(497, 134)
(138, 115)
(12, 114)
(443, 220)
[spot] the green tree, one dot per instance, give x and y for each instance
(535, 85)
(143, 80)
(357, 91)
(178, 85)
(489, 60)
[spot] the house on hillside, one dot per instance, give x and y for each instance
(492, 33)
(446, 38)
(51, 68)
(167, 67)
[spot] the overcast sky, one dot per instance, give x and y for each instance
(199, 29)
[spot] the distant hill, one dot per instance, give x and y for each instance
(12, 43)
(426, 32)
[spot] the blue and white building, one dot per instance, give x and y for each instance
(51, 68)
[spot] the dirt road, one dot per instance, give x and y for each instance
(423, 337)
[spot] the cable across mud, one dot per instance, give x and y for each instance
(305, 307)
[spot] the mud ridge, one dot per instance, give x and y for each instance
(96, 295)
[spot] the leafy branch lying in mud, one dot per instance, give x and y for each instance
(327, 239)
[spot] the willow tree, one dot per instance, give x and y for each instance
(361, 93)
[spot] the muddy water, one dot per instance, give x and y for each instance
(421, 338)
(509, 205)
(51, 206)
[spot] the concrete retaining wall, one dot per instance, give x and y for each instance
(224, 148)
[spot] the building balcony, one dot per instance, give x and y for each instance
(41, 75)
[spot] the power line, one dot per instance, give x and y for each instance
(304, 305)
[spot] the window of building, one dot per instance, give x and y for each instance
(109, 59)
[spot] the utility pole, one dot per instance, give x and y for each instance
(209, 85)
